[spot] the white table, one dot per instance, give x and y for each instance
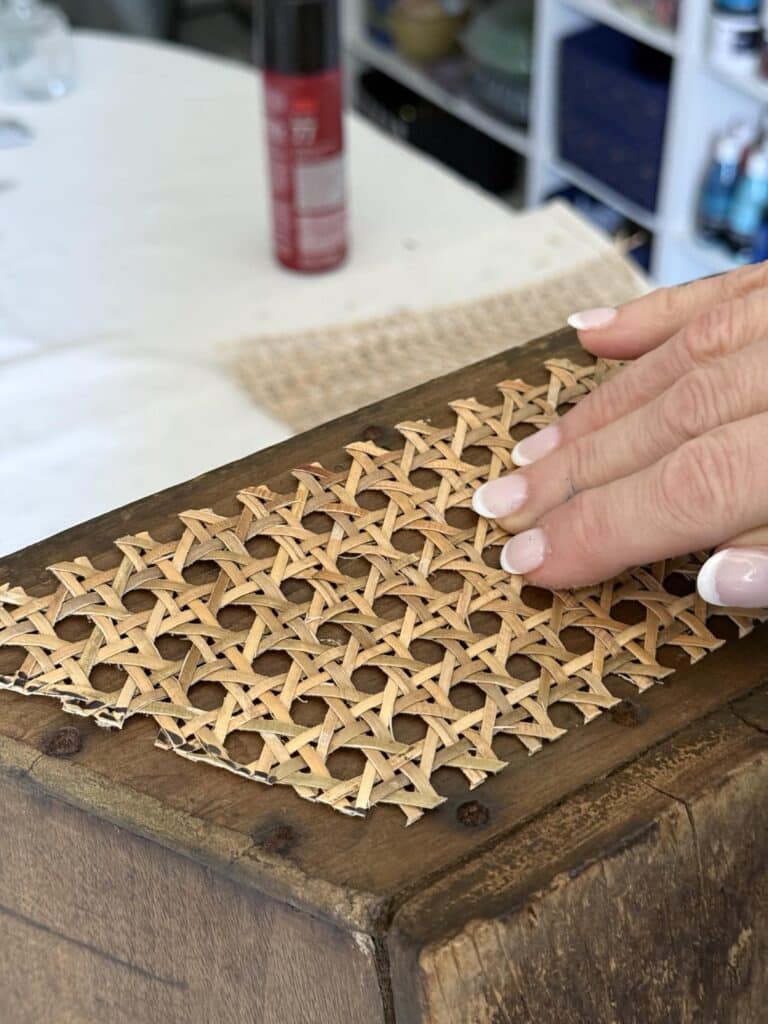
(134, 241)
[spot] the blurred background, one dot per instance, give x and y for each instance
(642, 113)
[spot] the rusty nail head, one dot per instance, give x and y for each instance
(627, 713)
(279, 839)
(384, 437)
(63, 742)
(473, 814)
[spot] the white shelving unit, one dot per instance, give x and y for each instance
(390, 63)
(703, 99)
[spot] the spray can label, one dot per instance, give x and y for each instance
(305, 139)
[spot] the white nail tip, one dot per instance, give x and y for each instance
(517, 458)
(592, 319)
(479, 505)
(505, 564)
(706, 584)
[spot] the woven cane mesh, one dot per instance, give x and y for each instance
(364, 614)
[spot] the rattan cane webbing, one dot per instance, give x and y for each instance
(398, 581)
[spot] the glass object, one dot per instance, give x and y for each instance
(36, 52)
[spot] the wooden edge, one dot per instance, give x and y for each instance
(224, 850)
(600, 822)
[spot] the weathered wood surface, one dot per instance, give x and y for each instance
(97, 924)
(643, 898)
(374, 876)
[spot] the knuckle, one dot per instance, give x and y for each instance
(588, 528)
(746, 279)
(691, 406)
(605, 403)
(713, 334)
(668, 302)
(696, 483)
(583, 463)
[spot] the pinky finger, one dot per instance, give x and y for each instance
(736, 576)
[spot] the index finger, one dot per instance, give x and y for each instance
(705, 339)
(645, 323)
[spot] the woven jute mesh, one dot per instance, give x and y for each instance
(308, 377)
(356, 635)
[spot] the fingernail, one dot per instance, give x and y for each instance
(525, 552)
(537, 445)
(735, 578)
(500, 497)
(590, 319)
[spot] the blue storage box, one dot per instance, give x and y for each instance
(613, 109)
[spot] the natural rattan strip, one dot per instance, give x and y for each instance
(341, 627)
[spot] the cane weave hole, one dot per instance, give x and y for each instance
(354, 637)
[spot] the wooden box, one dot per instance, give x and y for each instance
(619, 875)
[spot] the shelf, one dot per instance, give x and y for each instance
(657, 36)
(701, 97)
(605, 194)
(392, 64)
(751, 85)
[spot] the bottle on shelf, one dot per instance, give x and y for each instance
(748, 135)
(760, 245)
(749, 204)
(718, 188)
(738, 6)
(735, 36)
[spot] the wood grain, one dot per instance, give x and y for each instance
(644, 898)
(99, 925)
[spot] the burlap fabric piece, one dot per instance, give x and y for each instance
(309, 377)
(377, 640)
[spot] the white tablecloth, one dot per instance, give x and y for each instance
(134, 241)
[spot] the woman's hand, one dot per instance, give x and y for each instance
(667, 457)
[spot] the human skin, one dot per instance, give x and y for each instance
(668, 456)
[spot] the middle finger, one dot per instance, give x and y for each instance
(731, 389)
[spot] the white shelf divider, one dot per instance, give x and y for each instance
(702, 100)
(750, 85)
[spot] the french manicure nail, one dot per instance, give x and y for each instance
(500, 497)
(535, 447)
(525, 552)
(590, 319)
(735, 578)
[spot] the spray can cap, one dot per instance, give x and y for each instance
(301, 37)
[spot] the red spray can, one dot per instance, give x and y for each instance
(303, 96)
